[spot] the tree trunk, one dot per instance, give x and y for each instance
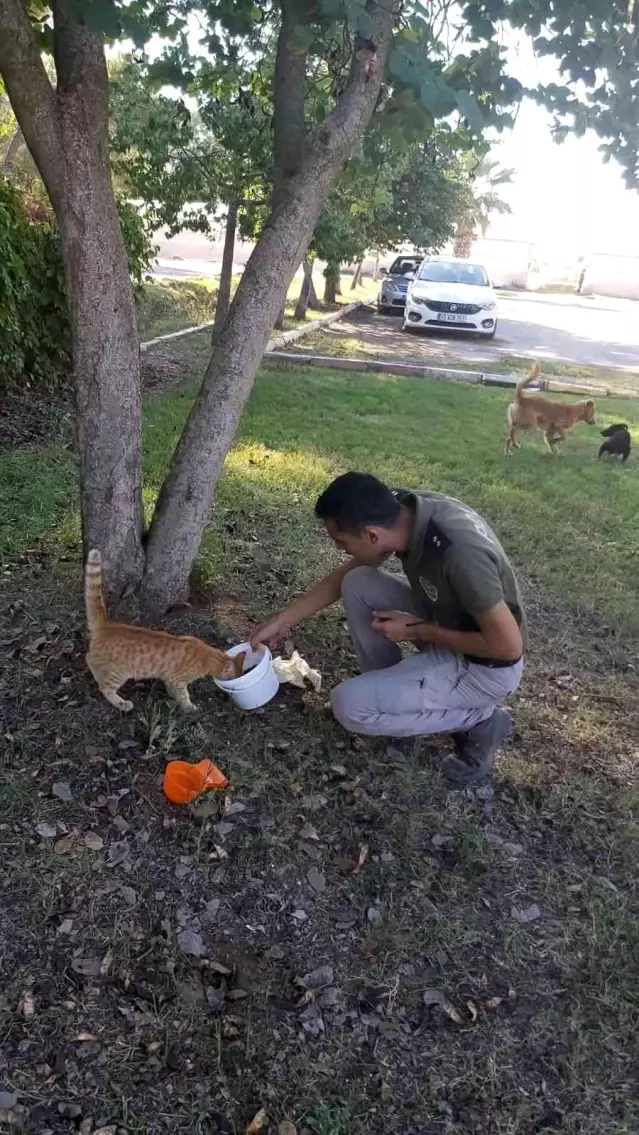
(226, 276)
(332, 283)
(279, 318)
(12, 151)
(464, 243)
(183, 505)
(67, 133)
(313, 301)
(305, 290)
(357, 275)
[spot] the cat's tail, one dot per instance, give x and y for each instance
(93, 598)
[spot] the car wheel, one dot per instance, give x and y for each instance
(491, 334)
(382, 309)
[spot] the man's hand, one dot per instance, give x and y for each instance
(273, 630)
(397, 626)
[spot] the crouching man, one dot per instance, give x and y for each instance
(457, 601)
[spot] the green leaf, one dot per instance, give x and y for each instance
(468, 106)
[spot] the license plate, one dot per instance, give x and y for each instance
(453, 318)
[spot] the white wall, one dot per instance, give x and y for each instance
(612, 276)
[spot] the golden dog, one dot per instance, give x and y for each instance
(554, 418)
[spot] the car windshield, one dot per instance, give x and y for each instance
(400, 266)
(451, 272)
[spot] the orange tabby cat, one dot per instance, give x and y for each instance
(118, 651)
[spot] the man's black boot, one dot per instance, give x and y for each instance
(476, 749)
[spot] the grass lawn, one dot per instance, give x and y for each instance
(166, 305)
(479, 976)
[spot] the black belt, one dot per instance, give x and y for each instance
(492, 663)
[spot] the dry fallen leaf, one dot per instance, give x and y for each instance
(472, 1009)
(91, 1038)
(257, 1122)
(106, 963)
(28, 1005)
(61, 846)
(93, 841)
(494, 1002)
(450, 1011)
(363, 855)
(287, 1128)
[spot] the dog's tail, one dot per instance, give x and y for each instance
(93, 598)
(533, 373)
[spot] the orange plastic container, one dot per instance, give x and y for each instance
(183, 782)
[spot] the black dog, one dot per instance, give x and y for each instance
(618, 443)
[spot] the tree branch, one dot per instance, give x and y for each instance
(32, 97)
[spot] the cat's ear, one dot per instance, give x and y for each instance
(230, 667)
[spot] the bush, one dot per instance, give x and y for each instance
(35, 341)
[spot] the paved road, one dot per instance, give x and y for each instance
(587, 330)
(591, 331)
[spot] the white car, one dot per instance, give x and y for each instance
(451, 295)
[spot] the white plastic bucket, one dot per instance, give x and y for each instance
(259, 685)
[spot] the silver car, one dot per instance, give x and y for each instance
(392, 294)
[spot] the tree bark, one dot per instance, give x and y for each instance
(226, 276)
(183, 506)
(357, 275)
(66, 131)
(313, 301)
(332, 283)
(305, 291)
(464, 243)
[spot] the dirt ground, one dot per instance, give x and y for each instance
(171, 970)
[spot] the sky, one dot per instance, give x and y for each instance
(562, 196)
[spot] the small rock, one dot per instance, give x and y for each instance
(432, 997)
(66, 926)
(300, 916)
(47, 831)
(374, 916)
(339, 770)
(513, 848)
(317, 979)
(223, 829)
(309, 831)
(211, 909)
(129, 895)
(88, 967)
(316, 880)
(62, 790)
(525, 914)
(237, 995)
(235, 808)
(440, 839)
(70, 1110)
(182, 870)
(313, 802)
(215, 998)
(190, 942)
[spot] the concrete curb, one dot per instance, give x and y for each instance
(279, 341)
(446, 374)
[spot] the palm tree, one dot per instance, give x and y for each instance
(483, 200)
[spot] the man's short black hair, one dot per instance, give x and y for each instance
(356, 500)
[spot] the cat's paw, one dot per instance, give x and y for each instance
(126, 706)
(188, 707)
